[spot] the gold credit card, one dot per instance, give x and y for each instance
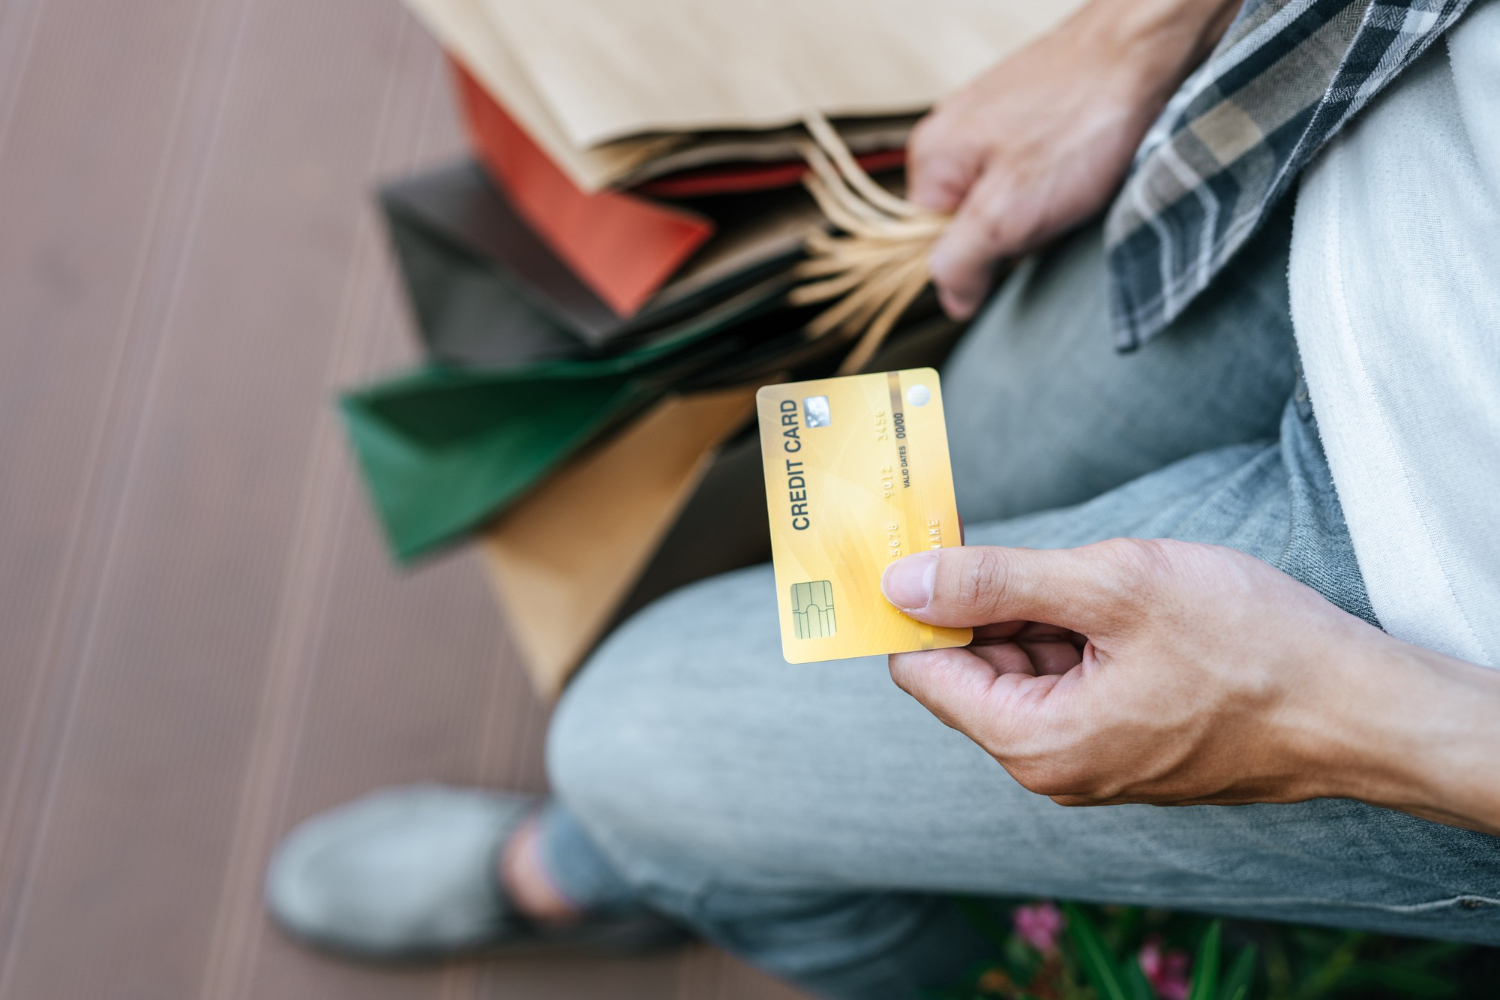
(857, 476)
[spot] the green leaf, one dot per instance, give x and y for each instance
(1098, 964)
(1241, 973)
(1206, 968)
(1135, 979)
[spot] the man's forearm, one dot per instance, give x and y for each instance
(1425, 732)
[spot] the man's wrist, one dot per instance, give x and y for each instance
(1419, 732)
(1159, 41)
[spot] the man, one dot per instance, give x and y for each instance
(1188, 622)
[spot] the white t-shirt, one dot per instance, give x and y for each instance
(1395, 283)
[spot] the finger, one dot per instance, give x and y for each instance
(982, 233)
(953, 684)
(993, 707)
(1052, 656)
(1004, 657)
(939, 170)
(1046, 649)
(1023, 631)
(1093, 590)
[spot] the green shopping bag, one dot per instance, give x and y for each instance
(442, 450)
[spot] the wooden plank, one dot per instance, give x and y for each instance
(349, 680)
(97, 155)
(136, 826)
(203, 641)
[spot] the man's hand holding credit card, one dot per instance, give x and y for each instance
(857, 476)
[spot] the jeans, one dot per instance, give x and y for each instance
(815, 820)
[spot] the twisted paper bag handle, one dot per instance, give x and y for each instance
(876, 265)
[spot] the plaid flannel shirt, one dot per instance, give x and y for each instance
(1286, 77)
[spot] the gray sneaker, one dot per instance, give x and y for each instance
(412, 873)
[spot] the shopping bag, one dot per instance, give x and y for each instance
(672, 497)
(565, 558)
(469, 308)
(487, 289)
(727, 83)
(606, 70)
(442, 450)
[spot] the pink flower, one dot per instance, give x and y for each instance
(1166, 971)
(1038, 925)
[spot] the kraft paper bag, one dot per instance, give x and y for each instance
(564, 558)
(466, 32)
(606, 69)
(725, 84)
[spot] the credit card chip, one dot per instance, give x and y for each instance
(812, 609)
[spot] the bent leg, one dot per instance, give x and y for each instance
(802, 815)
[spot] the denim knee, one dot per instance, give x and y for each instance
(614, 756)
(589, 762)
(652, 745)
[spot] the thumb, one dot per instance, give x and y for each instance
(1095, 589)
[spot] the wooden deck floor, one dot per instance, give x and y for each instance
(201, 640)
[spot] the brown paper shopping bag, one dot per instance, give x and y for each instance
(607, 70)
(464, 29)
(564, 559)
(617, 93)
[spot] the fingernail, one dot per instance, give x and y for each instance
(907, 583)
